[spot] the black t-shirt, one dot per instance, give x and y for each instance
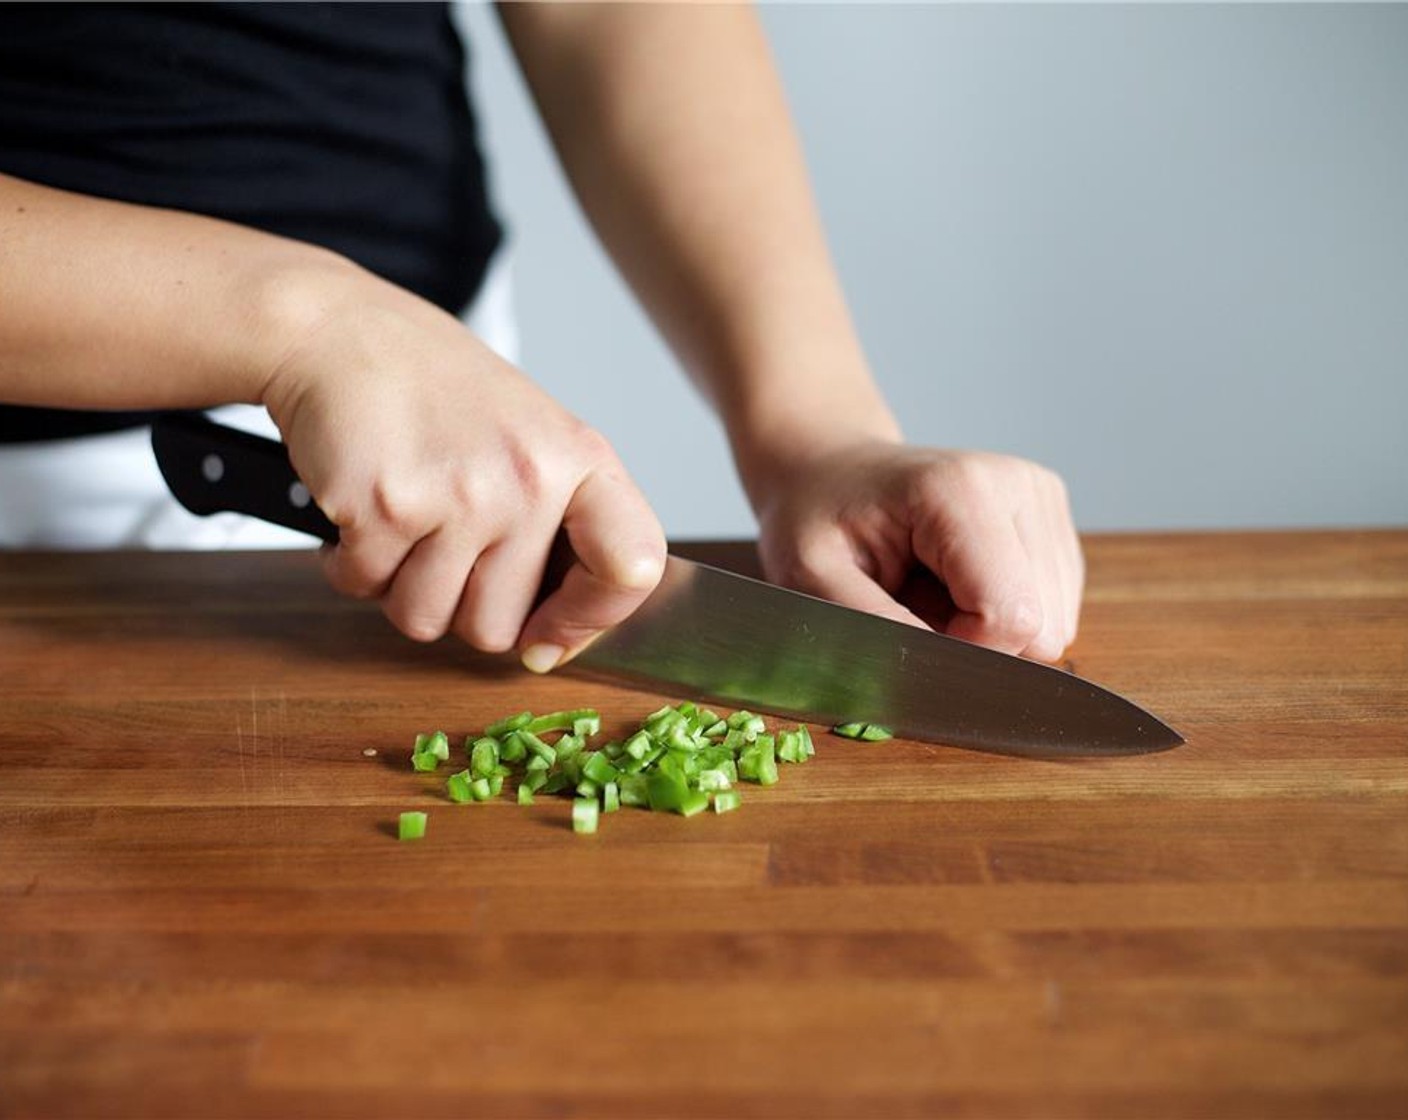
(345, 125)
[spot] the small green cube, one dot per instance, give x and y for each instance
(585, 814)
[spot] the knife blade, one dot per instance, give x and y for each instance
(730, 638)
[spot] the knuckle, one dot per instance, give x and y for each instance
(529, 471)
(954, 479)
(394, 505)
(640, 567)
(591, 445)
(465, 487)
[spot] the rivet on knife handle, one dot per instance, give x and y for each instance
(213, 469)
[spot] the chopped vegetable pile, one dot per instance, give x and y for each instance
(680, 759)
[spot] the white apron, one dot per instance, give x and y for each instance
(105, 491)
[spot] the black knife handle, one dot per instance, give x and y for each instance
(213, 469)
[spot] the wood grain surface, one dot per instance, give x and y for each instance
(204, 912)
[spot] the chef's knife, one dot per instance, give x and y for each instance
(734, 639)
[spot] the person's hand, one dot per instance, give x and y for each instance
(449, 473)
(853, 526)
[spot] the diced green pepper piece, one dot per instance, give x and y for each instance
(571, 767)
(696, 801)
(457, 786)
(869, 732)
(599, 769)
(727, 800)
(639, 745)
(535, 780)
(713, 780)
(747, 723)
(678, 736)
(484, 757)
(537, 764)
(538, 747)
(566, 721)
(430, 750)
(587, 788)
(790, 747)
(715, 729)
(585, 814)
(525, 793)
(610, 797)
(512, 749)
(758, 762)
(496, 784)
(658, 722)
(666, 792)
(436, 743)
(557, 782)
(480, 790)
(634, 790)
(425, 762)
(511, 723)
(411, 826)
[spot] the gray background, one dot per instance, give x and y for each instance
(1163, 250)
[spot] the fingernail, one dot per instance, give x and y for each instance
(542, 657)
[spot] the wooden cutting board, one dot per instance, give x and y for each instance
(203, 910)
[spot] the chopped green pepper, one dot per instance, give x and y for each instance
(585, 814)
(457, 786)
(484, 757)
(598, 769)
(680, 759)
(869, 732)
(411, 826)
(430, 751)
(512, 723)
(588, 719)
(727, 800)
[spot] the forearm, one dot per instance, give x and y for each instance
(671, 124)
(109, 305)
